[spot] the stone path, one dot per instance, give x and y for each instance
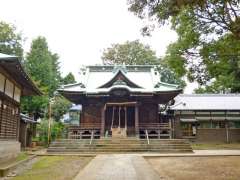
(118, 167)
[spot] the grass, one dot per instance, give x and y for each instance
(54, 168)
(22, 156)
(215, 146)
(197, 168)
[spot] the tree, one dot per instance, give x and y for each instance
(129, 53)
(60, 106)
(218, 16)
(136, 53)
(203, 28)
(10, 40)
(68, 79)
(43, 67)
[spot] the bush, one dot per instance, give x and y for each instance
(57, 128)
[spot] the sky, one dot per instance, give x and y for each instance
(78, 31)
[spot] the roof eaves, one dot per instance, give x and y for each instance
(15, 59)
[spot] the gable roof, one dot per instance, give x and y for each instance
(136, 78)
(13, 66)
(207, 102)
(120, 79)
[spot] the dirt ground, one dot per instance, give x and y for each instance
(50, 168)
(222, 146)
(197, 168)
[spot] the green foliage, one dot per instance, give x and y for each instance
(35, 105)
(68, 79)
(136, 53)
(10, 40)
(60, 106)
(207, 49)
(43, 67)
(57, 129)
(129, 53)
(222, 58)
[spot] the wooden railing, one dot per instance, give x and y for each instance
(155, 130)
(154, 126)
(86, 126)
(84, 131)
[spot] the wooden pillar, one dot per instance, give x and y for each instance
(113, 115)
(103, 121)
(125, 110)
(82, 115)
(137, 121)
(227, 131)
(119, 117)
(226, 127)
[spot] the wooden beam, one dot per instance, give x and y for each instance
(121, 104)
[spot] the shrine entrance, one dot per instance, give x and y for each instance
(120, 120)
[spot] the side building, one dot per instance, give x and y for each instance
(14, 83)
(207, 117)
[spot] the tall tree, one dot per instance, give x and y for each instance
(43, 67)
(68, 79)
(136, 53)
(10, 40)
(130, 53)
(203, 28)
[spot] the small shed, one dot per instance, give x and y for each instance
(27, 130)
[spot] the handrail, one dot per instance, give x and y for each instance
(146, 132)
(106, 134)
(92, 135)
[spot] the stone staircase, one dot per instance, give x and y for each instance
(127, 145)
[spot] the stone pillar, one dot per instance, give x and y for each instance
(137, 120)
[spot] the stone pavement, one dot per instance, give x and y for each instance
(118, 167)
(197, 153)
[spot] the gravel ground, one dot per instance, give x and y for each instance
(197, 168)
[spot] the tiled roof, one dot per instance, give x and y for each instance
(144, 79)
(207, 102)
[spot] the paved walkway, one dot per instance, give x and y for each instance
(118, 167)
(197, 153)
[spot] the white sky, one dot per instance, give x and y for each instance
(79, 30)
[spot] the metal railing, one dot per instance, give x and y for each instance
(146, 132)
(92, 136)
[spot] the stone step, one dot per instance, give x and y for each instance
(120, 142)
(123, 147)
(118, 150)
(119, 145)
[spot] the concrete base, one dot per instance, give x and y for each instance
(9, 150)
